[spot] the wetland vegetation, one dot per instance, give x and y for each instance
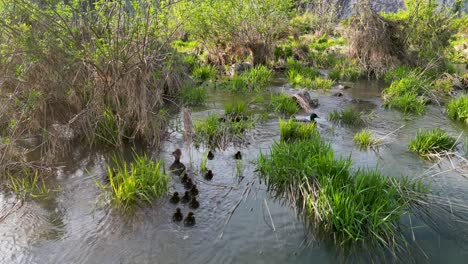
(104, 91)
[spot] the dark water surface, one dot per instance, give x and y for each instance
(75, 226)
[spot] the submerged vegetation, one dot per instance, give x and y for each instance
(431, 143)
(349, 117)
(351, 206)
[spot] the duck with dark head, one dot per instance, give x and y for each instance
(189, 220)
(177, 167)
(177, 217)
(311, 119)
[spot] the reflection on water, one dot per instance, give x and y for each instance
(233, 223)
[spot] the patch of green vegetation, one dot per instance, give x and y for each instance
(323, 83)
(28, 185)
(360, 206)
(236, 84)
(285, 104)
(291, 130)
(457, 108)
(325, 42)
(364, 139)
(107, 130)
(139, 181)
(258, 77)
(346, 71)
(184, 46)
(236, 109)
(444, 86)
(430, 143)
(300, 75)
(397, 74)
(204, 73)
(406, 94)
(348, 117)
(193, 96)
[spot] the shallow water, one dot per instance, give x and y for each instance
(75, 226)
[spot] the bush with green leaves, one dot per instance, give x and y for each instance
(457, 108)
(430, 143)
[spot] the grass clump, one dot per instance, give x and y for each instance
(349, 118)
(285, 104)
(397, 74)
(300, 75)
(139, 181)
(194, 96)
(364, 139)
(349, 207)
(457, 109)
(405, 95)
(291, 130)
(204, 73)
(28, 185)
(258, 77)
(431, 143)
(346, 71)
(236, 109)
(323, 84)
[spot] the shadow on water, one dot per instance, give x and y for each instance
(238, 221)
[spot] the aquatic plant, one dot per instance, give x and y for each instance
(364, 139)
(408, 103)
(443, 85)
(291, 130)
(397, 74)
(430, 143)
(346, 71)
(108, 130)
(140, 180)
(300, 75)
(285, 104)
(204, 162)
(193, 96)
(348, 117)
(322, 83)
(28, 185)
(204, 73)
(457, 108)
(236, 84)
(258, 78)
(406, 94)
(236, 109)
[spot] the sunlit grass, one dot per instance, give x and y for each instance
(364, 139)
(457, 108)
(204, 73)
(193, 96)
(28, 185)
(432, 142)
(285, 104)
(236, 109)
(291, 130)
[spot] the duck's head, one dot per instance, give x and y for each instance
(178, 211)
(313, 116)
(177, 153)
(190, 214)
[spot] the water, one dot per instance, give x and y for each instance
(75, 226)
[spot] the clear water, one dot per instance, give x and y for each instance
(75, 226)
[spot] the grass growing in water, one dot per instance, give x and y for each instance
(457, 109)
(349, 117)
(28, 185)
(193, 96)
(258, 77)
(364, 139)
(285, 104)
(140, 180)
(291, 130)
(323, 84)
(430, 143)
(204, 73)
(405, 94)
(300, 75)
(236, 109)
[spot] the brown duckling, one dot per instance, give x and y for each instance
(210, 155)
(177, 217)
(194, 204)
(238, 155)
(194, 190)
(175, 198)
(209, 175)
(189, 184)
(185, 178)
(177, 166)
(189, 220)
(185, 198)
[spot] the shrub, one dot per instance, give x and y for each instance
(457, 108)
(364, 139)
(430, 143)
(193, 96)
(349, 117)
(140, 180)
(293, 130)
(285, 104)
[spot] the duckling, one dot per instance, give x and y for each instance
(194, 190)
(189, 220)
(238, 155)
(185, 178)
(194, 204)
(175, 198)
(209, 175)
(177, 166)
(189, 184)
(311, 119)
(177, 217)
(210, 155)
(185, 198)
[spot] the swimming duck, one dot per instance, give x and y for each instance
(177, 217)
(209, 175)
(311, 118)
(210, 155)
(185, 178)
(194, 204)
(238, 155)
(189, 184)
(194, 190)
(175, 198)
(189, 220)
(185, 198)
(177, 166)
